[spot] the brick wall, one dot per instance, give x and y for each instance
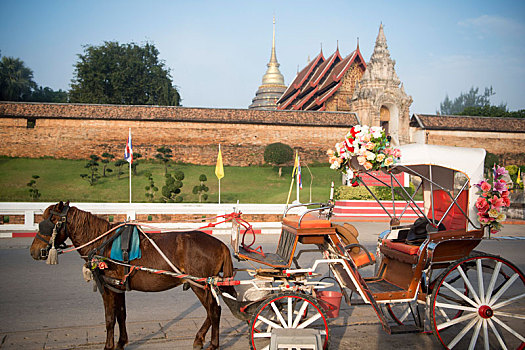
(77, 131)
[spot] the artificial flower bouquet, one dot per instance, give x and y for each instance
(364, 148)
(493, 198)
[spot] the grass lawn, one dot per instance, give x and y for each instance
(60, 180)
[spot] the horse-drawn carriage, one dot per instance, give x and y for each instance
(428, 277)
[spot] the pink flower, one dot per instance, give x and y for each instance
(482, 205)
(500, 186)
(368, 165)
(370, 146)
(497, 202)
(506, 201)
(485, 186)
(397, 153)
(361, 160)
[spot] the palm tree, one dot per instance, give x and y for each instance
(16, 80)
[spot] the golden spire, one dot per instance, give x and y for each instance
(273, 76)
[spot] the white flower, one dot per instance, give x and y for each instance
(370, 155)
(335, 165)
(377, 132)
(349, 173)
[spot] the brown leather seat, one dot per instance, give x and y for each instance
(349, 234)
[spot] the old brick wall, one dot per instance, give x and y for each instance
(499, 143)
(77, 131)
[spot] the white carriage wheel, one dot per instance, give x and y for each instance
(287, 310)
(400, 313)
(479, 302)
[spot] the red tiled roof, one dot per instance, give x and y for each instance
(467, 123)
(318, 81)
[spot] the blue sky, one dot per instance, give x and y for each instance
(217, 50)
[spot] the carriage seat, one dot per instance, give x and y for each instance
(358, 253)
(455, 220)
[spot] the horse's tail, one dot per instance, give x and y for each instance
(227, 271)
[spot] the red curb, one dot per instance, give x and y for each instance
(23, 234)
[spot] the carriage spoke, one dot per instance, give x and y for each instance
(496, 333)
(461, 334)
(486, 335)
(503, 289)
(508, 301)
(290, 312)
(510, 330)
(474, 338)
(506, 314)
(268, 322)
(481, 288)
(492, 283)
(405, 314)
(310, 321)
(456, 320)
(469, 285)
(456, 307)
(262, 335)
(458, 293)
(444, 314)
(299, 314)
(279, 315)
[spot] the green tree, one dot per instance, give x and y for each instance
(278, 153)
(34, 193)
(472, 98)
(493, 111)
(136, 162)
(92, 165)
(127, 74)
(164, 155)
(16, 80)
(46, 94)
(150, 188)
(118, 164)
(201, 189)
(106, 158)
(172, 188)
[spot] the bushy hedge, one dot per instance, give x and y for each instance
(361, 193)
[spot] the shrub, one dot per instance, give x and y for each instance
(361, 193)
(278, 153)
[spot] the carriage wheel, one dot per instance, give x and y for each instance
(400, 313)
(480, 301)
(287, 310)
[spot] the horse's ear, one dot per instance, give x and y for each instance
(67, 204)
(60, 205)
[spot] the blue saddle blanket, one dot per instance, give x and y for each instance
(134, 247)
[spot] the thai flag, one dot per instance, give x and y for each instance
(128, 153)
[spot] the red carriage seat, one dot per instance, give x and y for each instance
(455, 220)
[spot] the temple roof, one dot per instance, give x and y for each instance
(467, 123)
(318, 81)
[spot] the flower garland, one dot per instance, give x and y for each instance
(493, 198)
(369, 146)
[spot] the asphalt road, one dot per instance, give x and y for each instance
(52, 307)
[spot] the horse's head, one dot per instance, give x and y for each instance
(55, 220)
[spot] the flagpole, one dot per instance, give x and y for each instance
(297, 184)
(129, 172)
(219, 179)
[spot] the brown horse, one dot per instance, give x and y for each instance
(194, 253)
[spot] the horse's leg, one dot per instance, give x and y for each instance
(213, 312)
(120, 310)
(109, 312)
(115, 310)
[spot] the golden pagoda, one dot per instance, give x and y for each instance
(272, 86)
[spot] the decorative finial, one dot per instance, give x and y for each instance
(337, 45)
(358, 43)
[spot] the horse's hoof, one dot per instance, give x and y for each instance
(197, 347)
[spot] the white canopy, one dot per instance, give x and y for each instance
(439, 163)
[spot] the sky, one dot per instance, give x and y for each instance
(217, 51)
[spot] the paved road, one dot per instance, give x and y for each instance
(51, 307)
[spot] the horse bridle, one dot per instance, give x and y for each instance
(46, 228)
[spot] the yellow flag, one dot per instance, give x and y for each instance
(518, 180)
(296, 164)
(219, 169)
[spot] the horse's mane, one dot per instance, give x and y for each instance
(87, 226)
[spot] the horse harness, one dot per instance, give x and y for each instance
(46, 228)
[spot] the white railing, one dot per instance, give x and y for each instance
(131, 210)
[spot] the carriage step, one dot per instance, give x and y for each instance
(404, 329)
(293, 338)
